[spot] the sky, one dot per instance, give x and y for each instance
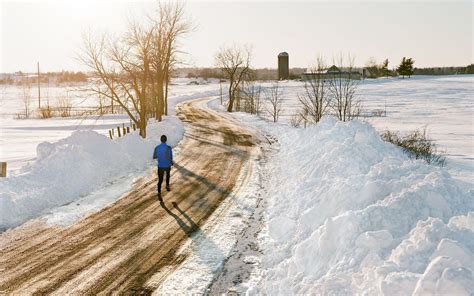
(433, 33)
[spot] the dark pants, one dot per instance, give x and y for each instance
(161, 172)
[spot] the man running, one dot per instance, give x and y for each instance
(164, 154)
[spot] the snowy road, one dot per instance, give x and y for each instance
(135, 243)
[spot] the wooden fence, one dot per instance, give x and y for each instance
(122, 130)
(3, 169)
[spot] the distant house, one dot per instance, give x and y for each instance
(330, 72)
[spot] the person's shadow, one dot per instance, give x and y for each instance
(209, 255)
(188, 229)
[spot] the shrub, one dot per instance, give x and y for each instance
(46, 112)
(417, 144)
(274, 99)
(64, 106)
(296, 119)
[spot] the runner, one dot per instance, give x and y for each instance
(164, 154)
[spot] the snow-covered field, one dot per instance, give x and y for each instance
(442, 104)
(347, 213)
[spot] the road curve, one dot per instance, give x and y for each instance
(119, 248)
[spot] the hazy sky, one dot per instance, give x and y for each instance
(433, 33)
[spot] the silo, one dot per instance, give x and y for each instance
(283, 66)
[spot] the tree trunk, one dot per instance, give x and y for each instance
(167, 80)
(159, 97)
(154, 106)
(142, 127)
(231, 100)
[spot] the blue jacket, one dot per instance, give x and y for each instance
(164, 154)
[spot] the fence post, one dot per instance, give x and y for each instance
(128, 129)
(3, 170)
(118, 131)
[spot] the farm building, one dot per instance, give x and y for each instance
(331, 72)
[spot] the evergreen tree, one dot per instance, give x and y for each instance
(409, 66)
(384, 68)
(402, 68)
(406, 67)
(470, 69)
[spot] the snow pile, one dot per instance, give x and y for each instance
(76, 166)
(19, 138)
(353, 214)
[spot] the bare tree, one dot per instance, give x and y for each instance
(316, 99)
(134, 70)
(134, 57)
(119, 67)
(234, 62)
(176, 27)
(251, 96)
(343, 84)
(169, 25)
(274, 98)
(26, 99)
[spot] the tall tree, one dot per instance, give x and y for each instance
(169, 25)
(120, 68)
(134, 70)
(316, 99)
(234, 62)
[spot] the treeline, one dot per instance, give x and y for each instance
(20, 78)
(406, 67)
(66, 76)
(373, 69)
(444, 70)
(257, 74)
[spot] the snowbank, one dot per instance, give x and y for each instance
(353, 214)
(443, 104)
(71, 168)
(85, 167)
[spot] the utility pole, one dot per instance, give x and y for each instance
(39, 88)
(220, 84)
(112, 100)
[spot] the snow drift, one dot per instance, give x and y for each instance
(76, 166)
(354, 215)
